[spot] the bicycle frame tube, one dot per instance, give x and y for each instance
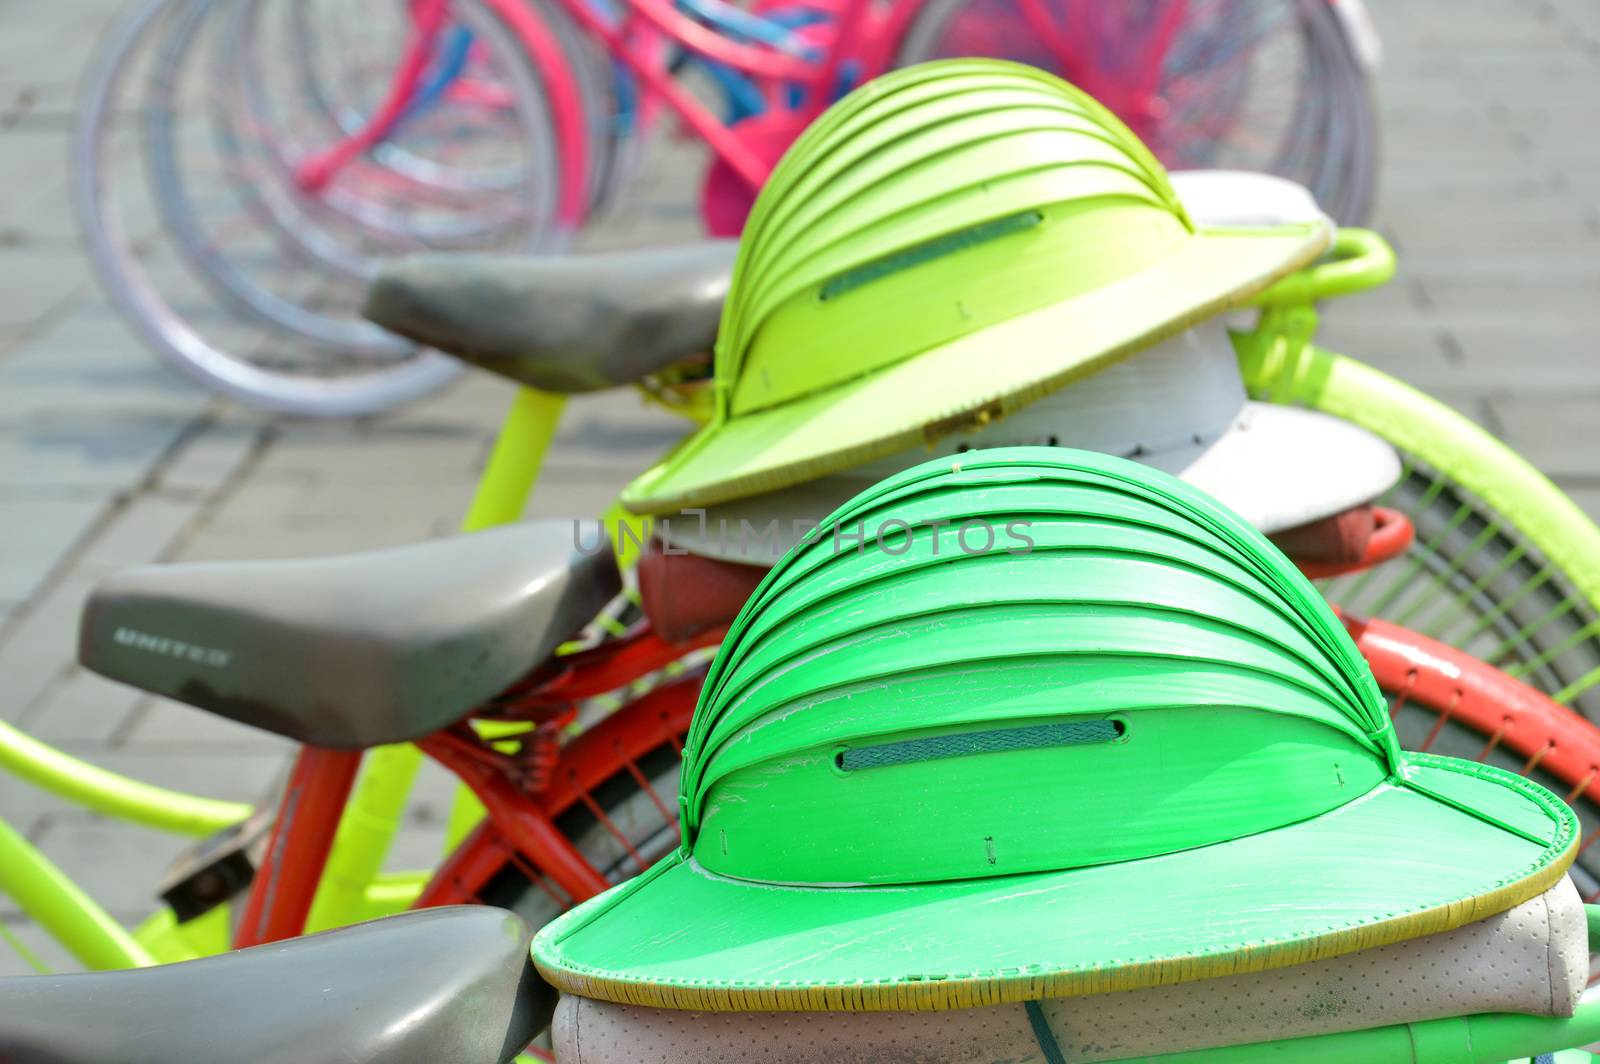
(427, 21)
(57, 904)
(366, 830)
(169, 941)
(523, 825)
(284, 886)
(658, 81)
(367, 827)
(111, 794)
(1345, 388)
(662, 716)
(514, 464)
(429, 17)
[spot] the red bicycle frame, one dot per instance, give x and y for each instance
(1507, 712)
(523, 793)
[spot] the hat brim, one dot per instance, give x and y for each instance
(974, 378)
(1279, 467)
(1276, 466)
(1394, 864)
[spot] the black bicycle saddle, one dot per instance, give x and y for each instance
(563, 324)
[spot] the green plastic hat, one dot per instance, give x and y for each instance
(942, 246)
(1062, 725)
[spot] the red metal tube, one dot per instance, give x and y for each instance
(523, 824)
(285, 885)
(1504, 710)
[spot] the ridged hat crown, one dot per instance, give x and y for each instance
(998, 177)
(1040, 629)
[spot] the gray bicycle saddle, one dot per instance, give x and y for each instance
(560, 323)
(452, 984)
(356, 650)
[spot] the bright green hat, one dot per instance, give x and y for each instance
(942, 246)
(1080, 729)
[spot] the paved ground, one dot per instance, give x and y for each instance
(1490, 192)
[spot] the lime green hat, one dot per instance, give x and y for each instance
(1061, 725)
(941, 247)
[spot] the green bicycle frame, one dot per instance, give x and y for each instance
(353, 887)
(53, 901)
(45, 893)
(1280, 364)
(372, 817)
(111, 794)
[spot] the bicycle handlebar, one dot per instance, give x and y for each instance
(1358, 260)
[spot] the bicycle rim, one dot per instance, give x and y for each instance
(261, 319)
(1264, 85)
(1474, 581)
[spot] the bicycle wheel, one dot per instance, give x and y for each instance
(1444, 701)
(231, 272)
(323, 93)
(615, 797)
(1504, 565)
(1220, 84)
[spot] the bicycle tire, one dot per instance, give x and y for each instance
(1504, 566)
(338, 119)
(1328, 144)
(188, 316)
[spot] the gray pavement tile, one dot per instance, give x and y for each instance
(1587, 498)
(23, 806)
(211, 457)
(148, 527)
(110, 454)
(420, 842)
(38, 643)
(37, 648)
(31, 159)
(1559, 435)
(1524, 268)
(43, 221)
(35, 282)
(1463, 189)
(156, 724)
(36, 535)
(80, 707)
(1493, 229)
(576, 494)
(615, 431)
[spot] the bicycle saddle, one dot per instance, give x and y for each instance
(355, 650)
(560, 323)
(452, 984)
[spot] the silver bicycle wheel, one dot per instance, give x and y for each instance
(226, 268)
(1267, 85)
(1473, 580)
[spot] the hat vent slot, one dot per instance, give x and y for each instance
(1064, 733)
(928, 251)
